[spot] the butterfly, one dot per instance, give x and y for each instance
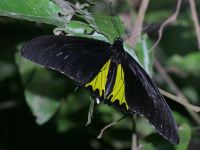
(111, 75)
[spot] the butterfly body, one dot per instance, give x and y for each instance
(110, 74)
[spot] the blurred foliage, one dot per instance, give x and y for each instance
(61, 111)
(188, 64)
(152, 142)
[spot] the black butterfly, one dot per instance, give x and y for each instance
(109, 72)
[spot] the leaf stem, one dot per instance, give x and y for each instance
(108, 126)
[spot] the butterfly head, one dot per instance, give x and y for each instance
(118, 45)
(118, 40)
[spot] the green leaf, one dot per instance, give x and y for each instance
(188, 64)
(185, 135)
(154, 141)
(104, 25)
(77, 28)
(7, 70)
(44, 11)
(142, 54)
(42, 107)
(73, 111)
(101, 29)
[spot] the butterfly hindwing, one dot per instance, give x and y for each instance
(144, 98)
(108, 85)
(115, 94)
(98, 83)
(79, 58)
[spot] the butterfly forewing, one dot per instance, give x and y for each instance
(144, 98)
(117, 94)
(79, 58)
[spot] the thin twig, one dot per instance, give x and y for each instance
(180, 101)
(195, 20)
(178, 92)
(108, 126)
(170, 20)
(136, 32)
(8, 104)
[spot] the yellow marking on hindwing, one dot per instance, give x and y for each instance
(99, 82)
(118, 92)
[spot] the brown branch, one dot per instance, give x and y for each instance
(174, 88)
(170, 20)
(180, 101)
(137, 29)
(195, 20)
(108, 126)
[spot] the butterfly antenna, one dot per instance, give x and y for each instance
(114, 21)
